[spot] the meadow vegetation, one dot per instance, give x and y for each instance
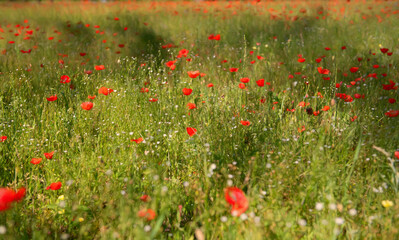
(151, 112)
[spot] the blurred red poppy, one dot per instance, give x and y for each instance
(8, 196)
(325, 108)
(148, 214)
(183, 53)
(193, 74)
(52, 98)
(65, 79)
(191, 131)
(244, 80)
(390, 86)
(187, 91)
(87, 105)
(191, 105)
(392, 113)
(36, 160)
(99, 67)
(245, 123)
(54, 186)
(138, 140)
(105, 91)
(236, 198)
(145, 198)
(323, 71)
(49, 155)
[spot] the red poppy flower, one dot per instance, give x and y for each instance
(325, 108)
(390, 86)
(245, 123)
(261, 82)
(27, 51)
(236, 198)
(49, 155)
(217, 37)
(153, 99)
(8, 196)
(3, 138)
(384, 50)
(301, 129)
(392, 113)
(244, 80)
(210, 85)
(348, 98)
(191, 105)
(171, 65)
(82, 54)
(148, 214)
(87, 105)
(193, 74)
(354, 69)
(91, 97)
(233, 69)
(318, 60)
(138, 140)
(65, 79)
(20, 194)
(99, 67)
(145, 198)
(144, 90)
(241, 85)
(303, 104)
(52, 98)
(301, 60)
(105, 91)
(187, 91)
(191, 131)
(183, 53)
(54, 186)
(397, 154)
(392, 100)
(36, 160)
(323, 71)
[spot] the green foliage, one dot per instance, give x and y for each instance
(326, 182)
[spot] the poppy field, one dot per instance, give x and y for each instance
(199, 120)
